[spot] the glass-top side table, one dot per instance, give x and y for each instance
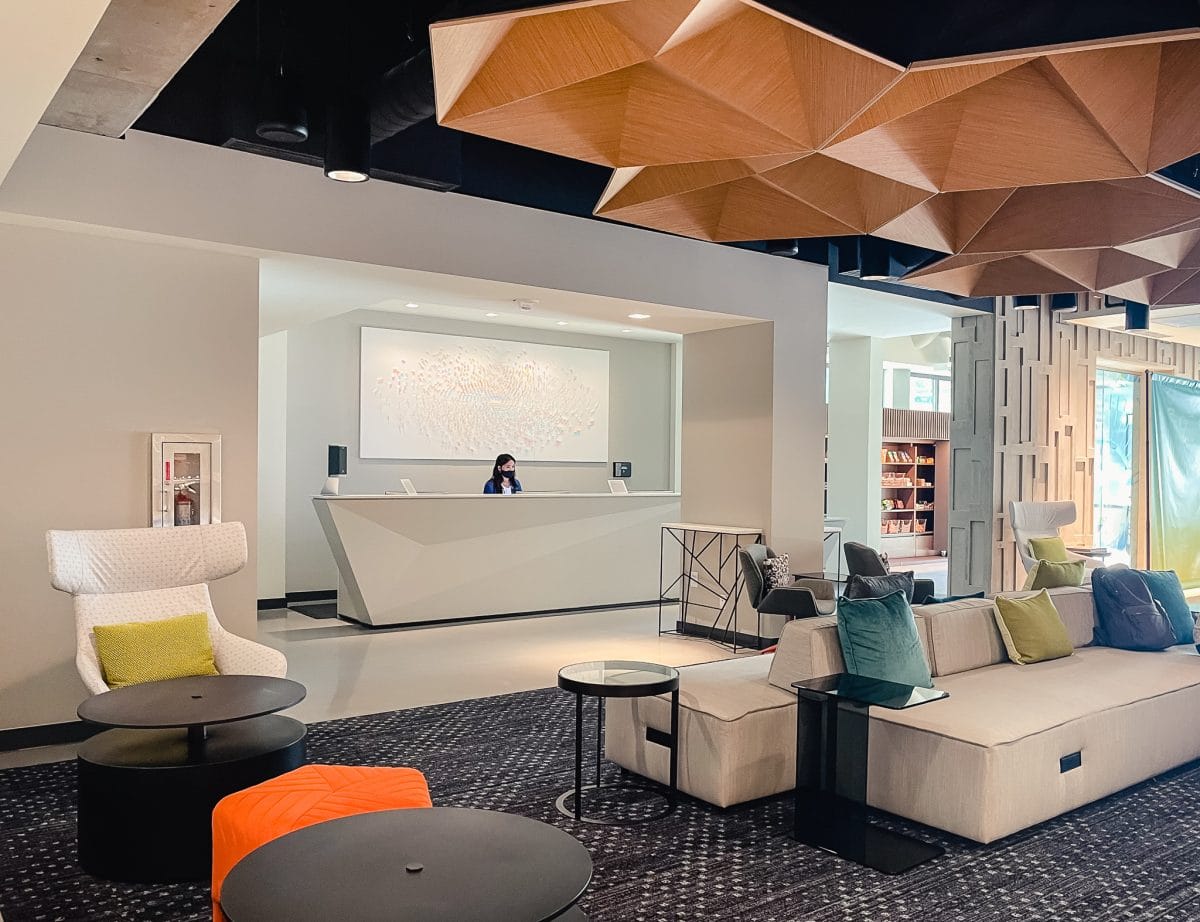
(832, 814)
(618, 679)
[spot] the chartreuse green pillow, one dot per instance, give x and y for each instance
(1051, 549)
(1050, 574)
(879, 640)
(1031, 628)
(1167, 591)
(150, 651)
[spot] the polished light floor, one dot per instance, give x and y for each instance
(351, 670)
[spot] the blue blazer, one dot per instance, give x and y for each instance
(489, 487)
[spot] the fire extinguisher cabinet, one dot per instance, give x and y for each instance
(186, 480)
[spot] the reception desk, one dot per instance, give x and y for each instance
(410, 559)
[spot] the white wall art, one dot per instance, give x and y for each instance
(431, 396)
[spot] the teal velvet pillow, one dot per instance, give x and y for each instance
(1167, 591)
(879, 640)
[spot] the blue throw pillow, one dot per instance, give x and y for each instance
(1127, 616)
(1167, 591)
(879, 640)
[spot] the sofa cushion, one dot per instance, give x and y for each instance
(1126, 614)
(962, 635)
(737, 732)
(1167, 591)
(880, 641)
(989, 754)
(1031, 629)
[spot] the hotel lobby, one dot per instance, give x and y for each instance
(616, 459)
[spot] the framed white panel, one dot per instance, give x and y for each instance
(431, 396)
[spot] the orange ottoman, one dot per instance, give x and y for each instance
(311, 794)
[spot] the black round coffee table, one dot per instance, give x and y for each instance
(619, 679)
(147, 790)
(445, 864)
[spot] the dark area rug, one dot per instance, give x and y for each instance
(1129, 857)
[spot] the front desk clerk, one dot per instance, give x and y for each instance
(504, 476)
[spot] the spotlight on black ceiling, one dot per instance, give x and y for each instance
(1066, 303)
(348, 140)
(1137, 317)
(1026, 302)
(874, 260)
(281, 116)
(783, 247)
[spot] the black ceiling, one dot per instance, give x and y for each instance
(327, 46)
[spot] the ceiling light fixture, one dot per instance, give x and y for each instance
(561, 323)
(348, 141)
(1137, 317)
(627, 331)
(1026, 302)
(639, 316)
(874, 260)
(412, 304)
(490, 314)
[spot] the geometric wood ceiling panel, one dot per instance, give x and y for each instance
(725, 120)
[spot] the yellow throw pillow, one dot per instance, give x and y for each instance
(1048, 574)
(1051, 549)
(1032, 629)
(150, 651)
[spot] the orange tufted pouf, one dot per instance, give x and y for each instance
(308, 795)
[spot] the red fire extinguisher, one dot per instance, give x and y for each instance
(184, 508)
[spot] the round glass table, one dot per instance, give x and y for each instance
(147, 790)
(619, 679)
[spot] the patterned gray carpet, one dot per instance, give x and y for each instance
(1132, 856)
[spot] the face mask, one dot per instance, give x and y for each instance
(509, 475)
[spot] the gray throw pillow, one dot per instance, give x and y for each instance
(877, 587)
(1127, 616)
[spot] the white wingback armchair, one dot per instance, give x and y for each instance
(1042, 520)
(147, 574)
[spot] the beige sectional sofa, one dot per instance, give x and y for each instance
(992, 759)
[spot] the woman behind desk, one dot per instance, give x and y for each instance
(504, 476)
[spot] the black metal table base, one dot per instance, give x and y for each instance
(146, 796)
(835, 824)
(573, 796)
(832, 814)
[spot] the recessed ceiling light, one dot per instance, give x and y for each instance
(561, 323)
(639, 316)
(490, 314)
(627, 331)
(412, 304)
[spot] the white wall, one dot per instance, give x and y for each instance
(856, 436)
(106, 341)
(323, 395)
(272, 465)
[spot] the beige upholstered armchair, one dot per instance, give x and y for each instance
(147, 574)
(1043, 520)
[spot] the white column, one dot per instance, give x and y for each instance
(855, 435)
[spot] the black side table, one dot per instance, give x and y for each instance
(833, 814)
(618, 679)
(147, 790)
(439, 864)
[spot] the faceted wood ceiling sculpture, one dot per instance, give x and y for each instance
(726, 121)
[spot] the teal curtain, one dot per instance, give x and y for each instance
(1175, 477)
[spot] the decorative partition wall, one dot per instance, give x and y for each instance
(1043, 429)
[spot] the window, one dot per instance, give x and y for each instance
(1113, 485)
(943, 402)
(929, 392)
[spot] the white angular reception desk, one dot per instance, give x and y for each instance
(436, 557)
